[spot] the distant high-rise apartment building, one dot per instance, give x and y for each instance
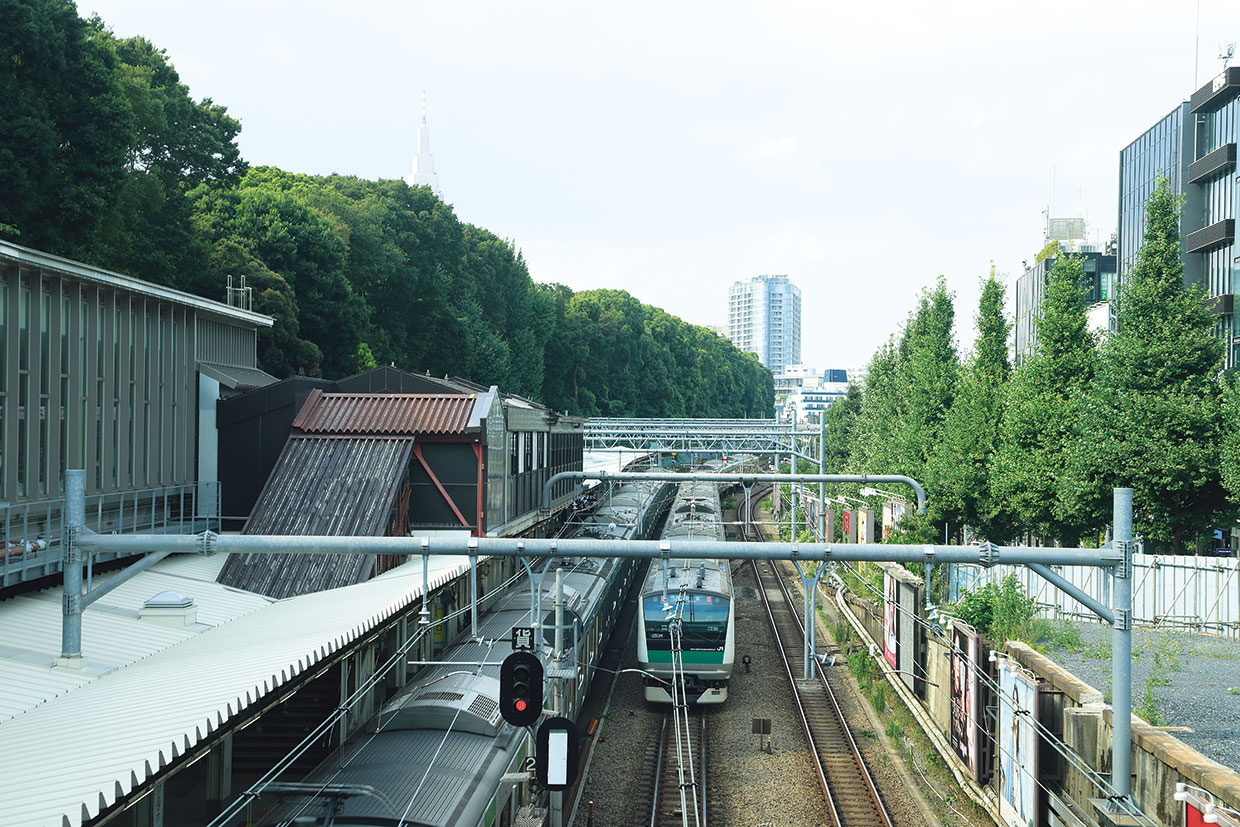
(764, 318)
(424, 174)
(1194, 147)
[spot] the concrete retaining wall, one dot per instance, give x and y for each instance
(1160, 760)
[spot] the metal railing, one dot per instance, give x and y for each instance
(31, 531)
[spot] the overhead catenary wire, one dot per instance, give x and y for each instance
(258, 787)
(1069, 755)
(1061, 747)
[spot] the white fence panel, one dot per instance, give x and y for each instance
(1197, 593)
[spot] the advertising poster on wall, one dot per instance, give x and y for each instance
(964, 695)
(1018, 742)
(1200, 808)
(890, 614)
(893, 512)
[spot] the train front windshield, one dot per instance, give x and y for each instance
(704, 620)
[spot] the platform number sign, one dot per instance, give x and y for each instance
(523, 638)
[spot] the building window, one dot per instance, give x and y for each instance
(23, 382)
(4, 378)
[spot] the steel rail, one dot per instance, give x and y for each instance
(792, 679)
(870, 787)
(832, 804)
(658, 773)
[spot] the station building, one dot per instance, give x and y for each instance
(200, 674)
(102, 371)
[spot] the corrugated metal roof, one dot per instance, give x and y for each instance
(166, 697)
(112, 635)
(384, 413)
(341, 487)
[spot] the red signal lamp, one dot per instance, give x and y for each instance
(520, 705)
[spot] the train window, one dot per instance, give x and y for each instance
(708, 608)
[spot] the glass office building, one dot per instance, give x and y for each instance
(1194, 146)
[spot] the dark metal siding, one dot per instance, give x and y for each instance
(321, 486)
(253, 429)
(455, 465)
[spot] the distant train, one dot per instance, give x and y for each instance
(436, 753)
(696, 595)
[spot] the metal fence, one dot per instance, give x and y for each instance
(1200, 594)
(30, 543)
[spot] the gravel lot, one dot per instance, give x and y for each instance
(1185, 679)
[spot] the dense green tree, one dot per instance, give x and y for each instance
(281, 350)
(106, 157)
(908, 390)
(876, 431)
(301, 244)
(1230, 455)
(959, 470)
(1152, 419)
(838, 424)
(65, 128)
(1039, 411)
(928, 367)
(176, 144)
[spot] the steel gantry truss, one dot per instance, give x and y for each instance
(724, 436)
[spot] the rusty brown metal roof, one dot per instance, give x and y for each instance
(384, 413)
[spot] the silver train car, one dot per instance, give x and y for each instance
(697, 594)
(435, 754)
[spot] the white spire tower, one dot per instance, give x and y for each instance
(424, 174)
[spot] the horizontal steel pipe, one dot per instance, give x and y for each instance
(633, 549)
(703, 476)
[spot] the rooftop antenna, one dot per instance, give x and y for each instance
(423, 106)
(1225, 54)
(1197, 46)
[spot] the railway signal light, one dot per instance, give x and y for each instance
(521, 689)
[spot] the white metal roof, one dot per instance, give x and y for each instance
(73, 741)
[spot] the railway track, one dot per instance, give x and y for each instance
(675, 767)
(852, 798)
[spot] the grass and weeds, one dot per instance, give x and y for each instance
(949, 802)
(1003, 611)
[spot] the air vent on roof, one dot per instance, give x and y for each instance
(169, 600)
(170, 608)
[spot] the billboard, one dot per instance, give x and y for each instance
(1199, 804)
(893, 512)
(890, 615)
(965, 716)
(908, 644)
(1018, 746)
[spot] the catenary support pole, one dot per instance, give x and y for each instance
(1121, 646)
(822, 487)
(473, 596)
(71, 562)
(792, 487)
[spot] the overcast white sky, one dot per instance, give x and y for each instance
(671, 148)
